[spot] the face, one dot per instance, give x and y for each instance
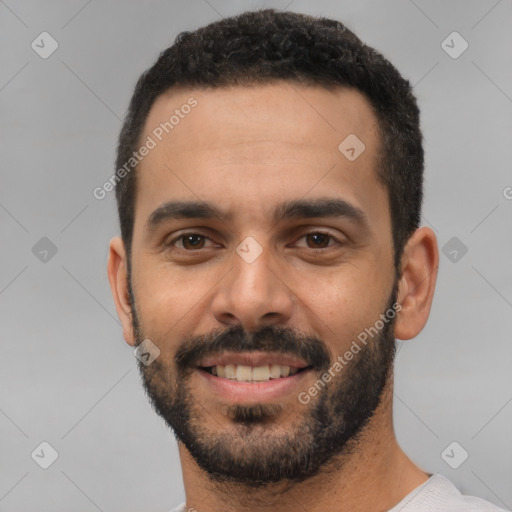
(260, 254)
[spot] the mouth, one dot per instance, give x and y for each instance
(253, 366)
(252, 377)
(246, 373)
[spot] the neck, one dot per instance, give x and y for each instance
(373, 474)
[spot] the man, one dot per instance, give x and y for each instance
(269, 190)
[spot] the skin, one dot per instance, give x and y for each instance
(248, 149)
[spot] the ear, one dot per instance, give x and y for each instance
(118, 277)
(418, 271)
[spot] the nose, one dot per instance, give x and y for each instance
(253, 294)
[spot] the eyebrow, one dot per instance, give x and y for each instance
(294, 209)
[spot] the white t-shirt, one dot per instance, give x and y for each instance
(437, 494)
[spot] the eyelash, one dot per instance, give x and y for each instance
(191, 233)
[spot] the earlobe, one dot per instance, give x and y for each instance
(118, 278)
(420, 262)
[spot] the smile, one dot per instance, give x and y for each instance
(250, 377)
(244, 373)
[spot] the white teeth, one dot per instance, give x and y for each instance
(275, 371)
(244, 373)
(230, 371)
(261, 373)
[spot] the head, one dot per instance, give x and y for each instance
(267, 46)
(273, 221)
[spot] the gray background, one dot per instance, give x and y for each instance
(68, 377)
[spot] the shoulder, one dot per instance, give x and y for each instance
(439, 494)
(179, 508)
(465, 503)
(458, 502)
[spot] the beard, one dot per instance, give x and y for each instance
(256, 449)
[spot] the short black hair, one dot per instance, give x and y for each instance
(265, 46)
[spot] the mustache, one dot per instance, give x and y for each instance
(267, 339)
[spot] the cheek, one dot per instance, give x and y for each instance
(342, 306)
(166, 297)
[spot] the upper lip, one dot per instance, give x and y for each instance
(253, 359)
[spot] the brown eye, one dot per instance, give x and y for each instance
(192, 241)
(318, 240)
(188, 241)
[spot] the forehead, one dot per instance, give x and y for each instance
(245, 147)
(303, 116)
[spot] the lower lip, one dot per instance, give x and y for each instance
(265, 391)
